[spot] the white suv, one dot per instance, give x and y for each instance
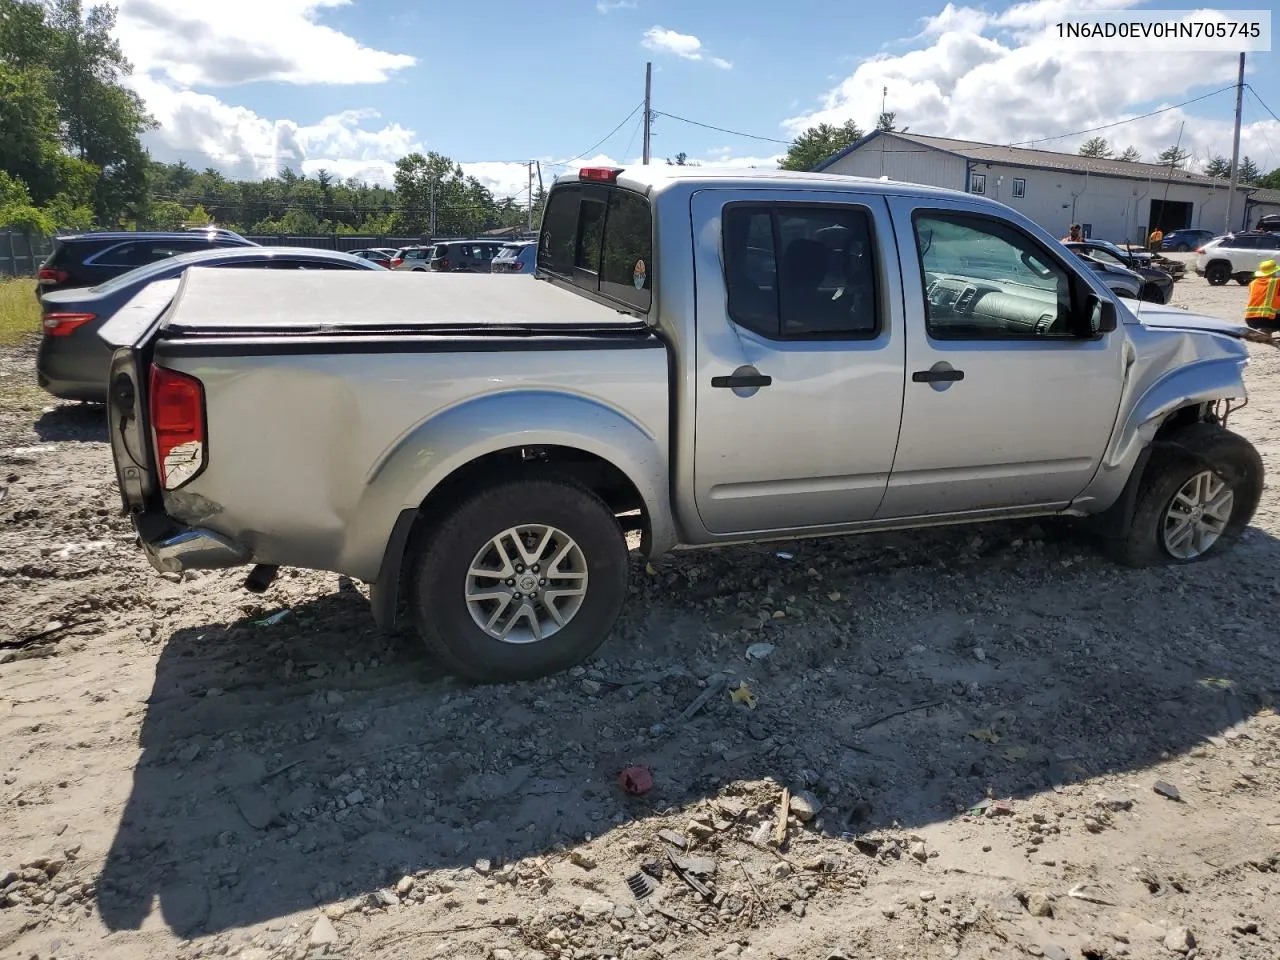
(1236, 257)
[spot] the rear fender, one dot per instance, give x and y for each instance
(430, 452)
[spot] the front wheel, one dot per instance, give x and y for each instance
(1244, 279)
(1217, 274)
(523, 580)
(1198, 492)
(1181, 248)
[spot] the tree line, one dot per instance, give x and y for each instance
(71, 154)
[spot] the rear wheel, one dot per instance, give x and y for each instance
(1198, 493)
(1217, 273)
(1181, 248)
(523, 580)
(1243, 279)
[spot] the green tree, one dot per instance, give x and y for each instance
(1270, 181)
(1173, 156)
(1130, 155)
(888, 122)
(1096, 147)
(1249, 172)
(16, 210)
(818, 143)
(1218, 167)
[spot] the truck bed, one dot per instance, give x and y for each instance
(227, 302)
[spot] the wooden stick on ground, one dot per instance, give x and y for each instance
(784, 811)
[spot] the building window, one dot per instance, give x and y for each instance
(977, 183)
(1019, 188)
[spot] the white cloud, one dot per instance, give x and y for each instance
(244, 41)
(683, 45)
(997, 77)
(605, 6)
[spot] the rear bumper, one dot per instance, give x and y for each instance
(172, 547)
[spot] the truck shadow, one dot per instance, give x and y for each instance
(77, 422)
(292, 764)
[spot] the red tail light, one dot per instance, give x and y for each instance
(177, 424)
(397, 261)
(443, 263)
(49, 275)
(1199, 249)
(601, 174)
(64, 324)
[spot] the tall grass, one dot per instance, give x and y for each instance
(19, 310)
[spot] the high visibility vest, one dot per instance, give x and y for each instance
(1156, 236)
(1264, 298)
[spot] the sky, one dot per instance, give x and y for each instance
(249, 86)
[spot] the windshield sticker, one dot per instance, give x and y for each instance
(638, 275)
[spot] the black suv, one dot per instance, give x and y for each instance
(87, 259)
(1269, 223)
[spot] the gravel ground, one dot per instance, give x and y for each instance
(995, 744)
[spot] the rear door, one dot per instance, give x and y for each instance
(1006, 406)
(800, 348)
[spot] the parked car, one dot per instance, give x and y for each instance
(382, 256)
(85, 259)
(1121, 281)
(516, 258)
(72, 360)
(412, 258)
(477, 447)
(1182, 241)
(464, 256)
(1156, 286)
(1268, 223)
(1236, 256)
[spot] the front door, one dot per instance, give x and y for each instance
(1006, 405)
(798, 360)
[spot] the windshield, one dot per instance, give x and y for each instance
(509, 251)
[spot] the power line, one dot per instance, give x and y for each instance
(710, 126)
(603, 139)
(634, 130)
(1118, 123)
(1249, 87)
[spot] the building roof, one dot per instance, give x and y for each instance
(1263, 195)
(1036, 159)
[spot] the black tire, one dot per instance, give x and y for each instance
(440, 574)
(1181, 248)
(1243, 279)
(1185, 454)
(419, 270)
(1217, 273)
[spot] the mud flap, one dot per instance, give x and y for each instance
(384, 593)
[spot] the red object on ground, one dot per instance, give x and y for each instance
(636, 780)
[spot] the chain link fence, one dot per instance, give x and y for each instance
(22, 253)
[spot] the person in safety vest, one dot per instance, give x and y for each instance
(1263, 310)
(1155, 240)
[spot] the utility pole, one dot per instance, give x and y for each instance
(529, 170)
(433, 209)
(1235, 149)
(648, 103)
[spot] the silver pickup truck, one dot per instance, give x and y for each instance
(704, 358)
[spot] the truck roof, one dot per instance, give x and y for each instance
(657, 177)
(227, 301)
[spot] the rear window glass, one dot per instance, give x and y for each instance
(601, 238)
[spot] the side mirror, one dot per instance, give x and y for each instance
(1102, 316)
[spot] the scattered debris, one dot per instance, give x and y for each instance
(673, 838)
(805, 805)
(1179, 940)
(636, 781)
(273, 619)
(759, 651)
(715, 683)
(742, 694)
(784, 811)
(641, 885)
(1167, 789)
(323, 932)
(868, 724)
(1084, 892)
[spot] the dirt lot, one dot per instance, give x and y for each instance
(974, 723)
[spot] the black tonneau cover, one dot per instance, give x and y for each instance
(230, 302)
